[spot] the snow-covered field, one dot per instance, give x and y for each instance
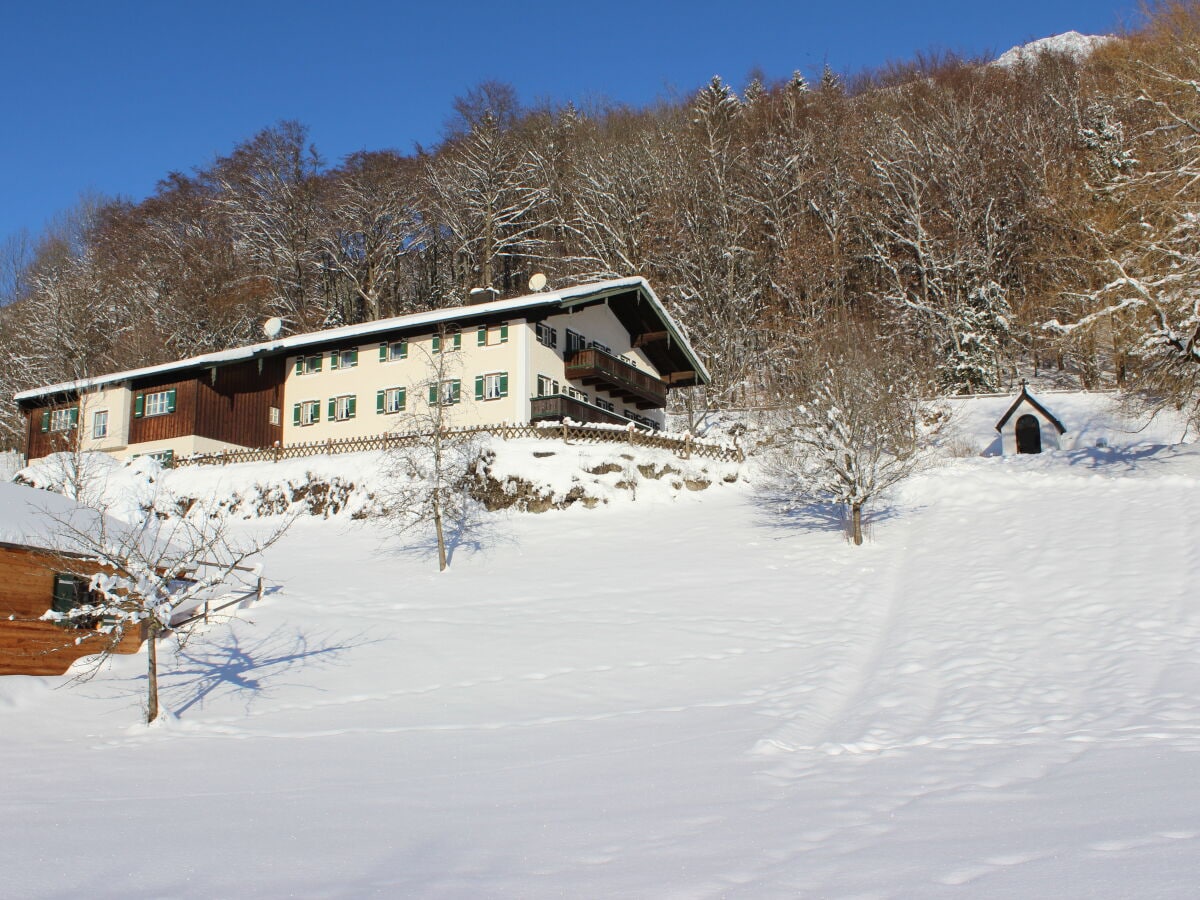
(680, 695)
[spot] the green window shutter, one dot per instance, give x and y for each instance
(332, 408)
(458, 340)
(74, 416)
(433, 397)
(66, 593)
(171, 400)
(504, 333)
(354, 357)
(404, 349)
(379, 395)
(317, 368)
(168, 457)
(333, 359)
(296, 414)
(139, 405)
(503, 384)
(403, 399)
(478, 387)
(383, 352)
(351, 407)
(317, 411)
(437, 343)
(300, 366)
(46, 420)
(481, 336)
(456, 387)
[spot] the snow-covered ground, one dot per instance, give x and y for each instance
(679, 695)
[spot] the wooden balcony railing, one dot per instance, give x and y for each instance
(559, 406)
(595, 367)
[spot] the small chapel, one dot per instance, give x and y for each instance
(1028, 427)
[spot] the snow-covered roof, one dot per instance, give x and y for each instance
(564, 298)
(1027, 398)
(1071, 43)
(28, 515)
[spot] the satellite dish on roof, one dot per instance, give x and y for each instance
(272, 327)
(537, 281)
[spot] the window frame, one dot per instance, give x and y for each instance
(344, 407)
(63, 419)
(100, 424)
(394, 393)
(551, 383)
(547, 335)
(157, 403)
(310, 412)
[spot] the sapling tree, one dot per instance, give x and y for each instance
(429, 466)
(850, 434)
(149, 570)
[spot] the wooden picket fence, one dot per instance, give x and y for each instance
(683, 446)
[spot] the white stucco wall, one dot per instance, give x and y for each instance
(115, 399)
(414, 374)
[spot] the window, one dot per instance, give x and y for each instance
(343, 359)
(162, 457)
(274, 415)
(307, 365)
(547, 336)
(596, 345)
(453, 341)
(449, 392)
(390, 400)
(496, 334)
(306, 412)
(394, 351)
(546, 386)
(70, 591)
(60, 419)
(491, 387)
(160, 403)
(342, 408)
(575, 341)
(576, 394)
(100, 423)
(604, 404)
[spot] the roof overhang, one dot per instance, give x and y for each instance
(631, 299)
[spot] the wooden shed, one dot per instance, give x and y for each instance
(34, 579)
(1028, 427)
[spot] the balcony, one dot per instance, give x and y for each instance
(557, 407)
(595, 367)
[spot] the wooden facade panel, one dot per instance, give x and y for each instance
(179, 423)
(233, 403)
(32, 647)
(42, 443)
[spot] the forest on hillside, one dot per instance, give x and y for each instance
(971, 222)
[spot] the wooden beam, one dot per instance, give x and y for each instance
(649, 337)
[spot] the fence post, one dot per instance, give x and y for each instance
(259, 591)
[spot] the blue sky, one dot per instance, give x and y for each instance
(108, 97)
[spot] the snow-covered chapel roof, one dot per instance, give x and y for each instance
(1026, 397)
(564, 299)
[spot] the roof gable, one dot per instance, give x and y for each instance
(1026, 397)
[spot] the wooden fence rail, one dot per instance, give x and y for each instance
(685, 446)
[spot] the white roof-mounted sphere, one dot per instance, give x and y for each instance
(537, 281)
(272, 327)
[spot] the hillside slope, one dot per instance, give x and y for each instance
(685, 696)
